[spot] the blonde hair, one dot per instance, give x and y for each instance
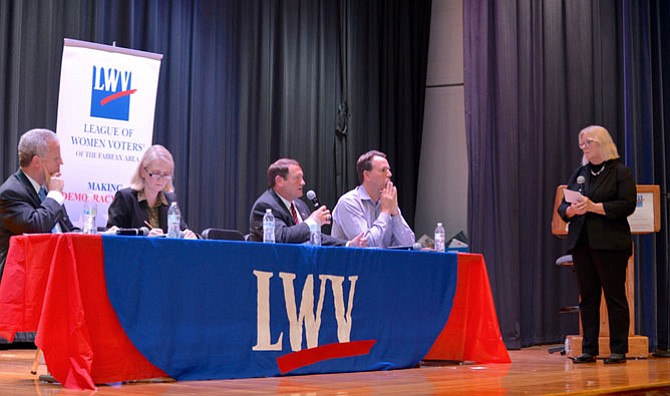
(599, 134)
(152, 154)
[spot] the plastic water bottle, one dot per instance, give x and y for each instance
(174, 221)
(439, 238)
(268, 227)
(89, 212)
(314, 234)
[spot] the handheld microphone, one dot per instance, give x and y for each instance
(142, 231)
(580, 182)
(311, 195)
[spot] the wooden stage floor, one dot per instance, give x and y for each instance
(533, 371)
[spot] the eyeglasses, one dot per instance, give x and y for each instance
(588, 142)
(158, 176)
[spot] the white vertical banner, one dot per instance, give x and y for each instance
(106, 106)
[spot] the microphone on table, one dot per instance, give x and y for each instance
(416, 246)
(142, 231)
(311, 195)
(580, 182)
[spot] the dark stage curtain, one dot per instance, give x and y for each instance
(536, 73)
(646, 62)
(242, 83)
(301, 61)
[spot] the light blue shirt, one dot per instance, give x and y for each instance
(356, 212)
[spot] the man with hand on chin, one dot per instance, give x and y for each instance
(372, 207)
(31, 200)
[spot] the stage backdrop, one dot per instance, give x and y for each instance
(105, 121)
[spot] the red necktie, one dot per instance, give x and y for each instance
(294, 213)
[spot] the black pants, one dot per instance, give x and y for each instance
(602, 270)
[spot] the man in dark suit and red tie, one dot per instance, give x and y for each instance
(31, 200)
(292, 216)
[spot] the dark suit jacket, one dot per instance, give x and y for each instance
(616, 189)
(21, 212)
(126, 211)
(286, 231)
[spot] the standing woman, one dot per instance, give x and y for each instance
(600, 242)
(149, 196)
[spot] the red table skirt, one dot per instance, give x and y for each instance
(55, 284)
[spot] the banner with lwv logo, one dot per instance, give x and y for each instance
(106, 107)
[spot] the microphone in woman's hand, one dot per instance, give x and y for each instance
(580, 182)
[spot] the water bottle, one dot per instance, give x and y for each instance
(268, 227)
(89, 212)
(314, 234)
(439, 238)
(174, 221)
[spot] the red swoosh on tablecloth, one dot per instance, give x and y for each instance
(306, 357)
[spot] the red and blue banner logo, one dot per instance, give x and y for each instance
(231, 310)
(110, 93)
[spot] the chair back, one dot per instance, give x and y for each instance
(222, 234)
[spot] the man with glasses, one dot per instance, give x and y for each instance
(372, 207)
(31, 200)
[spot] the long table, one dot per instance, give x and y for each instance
(109, 309)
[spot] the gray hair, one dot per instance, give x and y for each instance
(35, 142)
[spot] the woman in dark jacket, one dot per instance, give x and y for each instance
(600, 241)
(149, 196)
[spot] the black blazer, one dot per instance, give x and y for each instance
(126, 211)
(286, 231)
(616, 189)
(21, 212)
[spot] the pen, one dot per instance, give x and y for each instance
(148, 225)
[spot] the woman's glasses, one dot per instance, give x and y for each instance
(588, 142)
(157, 176)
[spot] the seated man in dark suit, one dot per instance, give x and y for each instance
(31, 200)
(292, 216)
